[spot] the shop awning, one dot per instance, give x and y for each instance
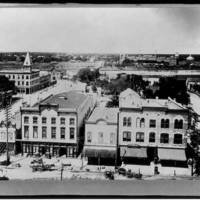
(171, 154)
(103, 153)
(137, 152)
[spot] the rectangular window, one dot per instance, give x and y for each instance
(62, 133)
(139, 137)
(53, 120)
(71, 121)
(35, 120)
(26, 131)
(26, 120)
(22, 82)
(126, 136)
(178, 139)
(100, 138)
(35, 132)
(71, 133)
(164, 138)
(44, 132)
(18, 82)
(53, 132)
(13, 76)
(152, 123)
(62, 121)
(89, 137)
(112, 138)
(22, 76)
(44, 120)
(27, 83)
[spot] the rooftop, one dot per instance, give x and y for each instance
(71, 99)
(150, 103)
(106, 114)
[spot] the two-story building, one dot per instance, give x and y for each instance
(53, 125)
(100, 145)
(152, 129)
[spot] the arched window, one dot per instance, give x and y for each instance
(137, 122)
(164, 123)
(152, 137)
(129, 121)
(164, 138)
(178, 124)
(142, 123)
(178, 139)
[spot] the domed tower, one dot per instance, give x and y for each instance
(190, 58)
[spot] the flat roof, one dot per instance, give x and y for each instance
(71, 99)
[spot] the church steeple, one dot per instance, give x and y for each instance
(27, 61)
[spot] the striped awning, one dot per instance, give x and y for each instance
(136, 152)
(172, 154)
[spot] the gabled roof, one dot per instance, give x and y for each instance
(103, 113)
(127, 92)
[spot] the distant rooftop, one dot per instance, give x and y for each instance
(104, 113)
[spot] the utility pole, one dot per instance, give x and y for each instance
(6, 105)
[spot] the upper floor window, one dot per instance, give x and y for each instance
(62, 121)
(44, 120)
(112, 138)
(53, 132)
(152, 123)
(178, 139)
(26, 83)
(164, 138)
(164, 123)
(139, 137)
(13, 76)
(71, 121)
(138, 122)
(71, 133)
(126, 136)
(53, 120)
(100, 137)
(35, 120)
(142, 123)
(89, 137)
(22, 76)
(27, 77)
(62, 133)
(127, 121)
(152, 137)
(178, 124)
(44, 132)
(35, 132)
(26, 120)
(26, 131)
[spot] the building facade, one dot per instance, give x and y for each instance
(100, 145)
(54, 125)
(152, 130)
(11, 137)
(26, 79)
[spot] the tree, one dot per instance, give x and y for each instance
(114, 101)
(171, 87)
(6, 84)
(86, 75)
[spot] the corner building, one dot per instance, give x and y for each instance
(54, 125)
(152, 129)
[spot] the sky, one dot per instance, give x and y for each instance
(101, 29)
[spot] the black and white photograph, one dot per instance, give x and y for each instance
(100, 101)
